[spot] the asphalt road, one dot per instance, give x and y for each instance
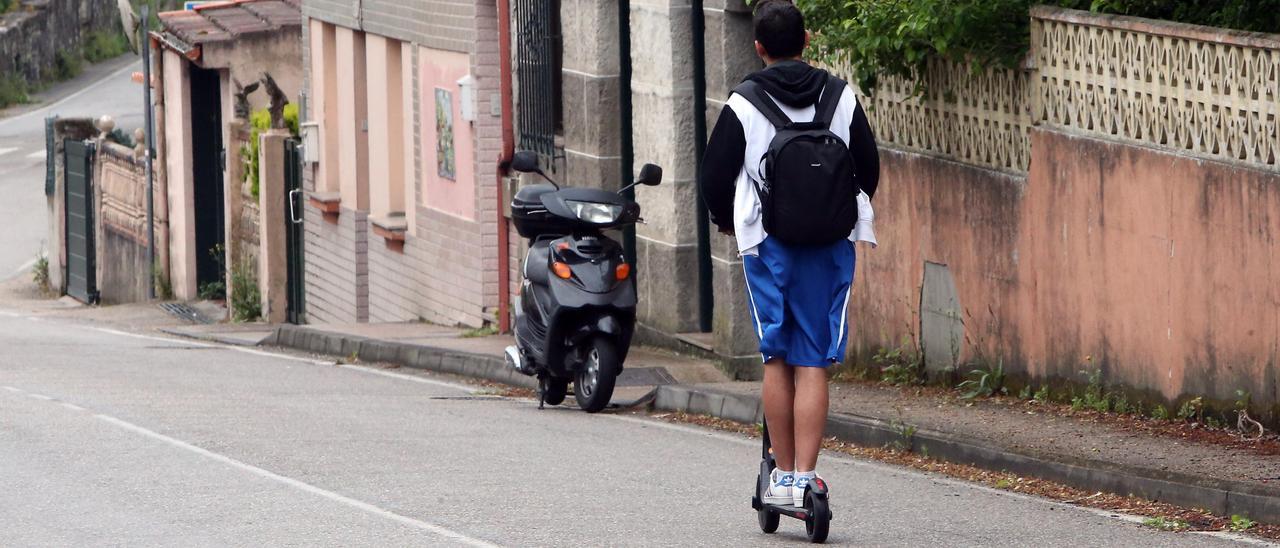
(105, 88)
(110, 438)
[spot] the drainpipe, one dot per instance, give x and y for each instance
(706, 298)
(624, 121)
(504, 162)
(145, 42)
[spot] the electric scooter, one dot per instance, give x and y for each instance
(577, 305)
(816, 512)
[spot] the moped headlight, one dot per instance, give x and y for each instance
(594, 212)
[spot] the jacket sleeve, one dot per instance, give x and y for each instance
(866, 157)
(721, 166)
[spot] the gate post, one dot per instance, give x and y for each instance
(272, 227)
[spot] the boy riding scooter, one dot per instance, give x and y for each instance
(789, 171)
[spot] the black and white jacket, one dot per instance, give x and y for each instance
(743, 133)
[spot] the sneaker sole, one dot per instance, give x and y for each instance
(777, 501)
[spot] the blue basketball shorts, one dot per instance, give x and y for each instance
(799, 298)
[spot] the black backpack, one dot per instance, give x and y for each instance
(809, 195)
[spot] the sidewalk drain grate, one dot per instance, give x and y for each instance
(645, 376)
(185, 312)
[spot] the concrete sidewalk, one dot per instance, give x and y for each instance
(997, 435)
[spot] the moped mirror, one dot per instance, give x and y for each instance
(526, 161)
(650, 175)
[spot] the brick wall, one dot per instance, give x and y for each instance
(440, 24)
(395, 282)
(447, 272)
(337, 273)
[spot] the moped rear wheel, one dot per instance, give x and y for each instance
(593, 385)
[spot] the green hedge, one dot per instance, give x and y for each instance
(897, 37)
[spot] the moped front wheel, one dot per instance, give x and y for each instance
(593, 385)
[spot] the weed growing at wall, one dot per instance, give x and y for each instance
(260, 121)
(40, 273)
(164, 288)
(246, 298)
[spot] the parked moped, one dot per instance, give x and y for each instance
(577, 305)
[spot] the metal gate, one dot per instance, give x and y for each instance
(538, 60)
(82, 283)
(294, 232)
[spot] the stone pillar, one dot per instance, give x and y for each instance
(353, 135)
(589, 93)
(272, 265)
(662, 131)
(181, 185)
(730, 56)
(386, 126)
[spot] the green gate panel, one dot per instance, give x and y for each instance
(82, 283)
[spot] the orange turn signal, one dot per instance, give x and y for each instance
(562, 270)
(623, 271)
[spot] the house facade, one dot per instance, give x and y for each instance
(402, 194)
(210, 64)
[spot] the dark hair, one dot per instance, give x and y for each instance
(779, 27)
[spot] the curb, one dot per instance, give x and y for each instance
(1220, 497)
(1225, 498)
(480, 366)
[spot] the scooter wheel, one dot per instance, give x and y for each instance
(593, 386)
(555, 391)
(768, 520)
(818, 521)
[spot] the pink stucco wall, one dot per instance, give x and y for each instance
(442, 70)
(177, 162)
(1160, 270)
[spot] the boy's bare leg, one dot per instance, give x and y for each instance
(810, 415)
(779, 394)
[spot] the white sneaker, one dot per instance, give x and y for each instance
(799, 485)
(779, 491)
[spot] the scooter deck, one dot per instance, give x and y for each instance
(797, 512)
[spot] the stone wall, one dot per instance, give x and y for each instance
(32, 35)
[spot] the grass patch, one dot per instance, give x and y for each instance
(13, 90)
(67, 64)
(1166, 524)
(100, 46)
(485, 331)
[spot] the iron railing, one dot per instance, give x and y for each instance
(538, 61)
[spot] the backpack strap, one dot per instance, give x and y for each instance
(752, 92)
(826, 108)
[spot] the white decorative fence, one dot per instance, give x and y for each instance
(1196, 90)
(981, 118)
(1200, 90)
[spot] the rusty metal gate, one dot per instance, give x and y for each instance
(82, 283)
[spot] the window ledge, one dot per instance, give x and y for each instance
(392, 228)
(329, 204)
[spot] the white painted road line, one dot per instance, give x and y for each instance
(301, 486)
(12, 389)
(39, 154)
(411, 378)
(72, 406)
(40, 397)
(22, 269)
(6, 150)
